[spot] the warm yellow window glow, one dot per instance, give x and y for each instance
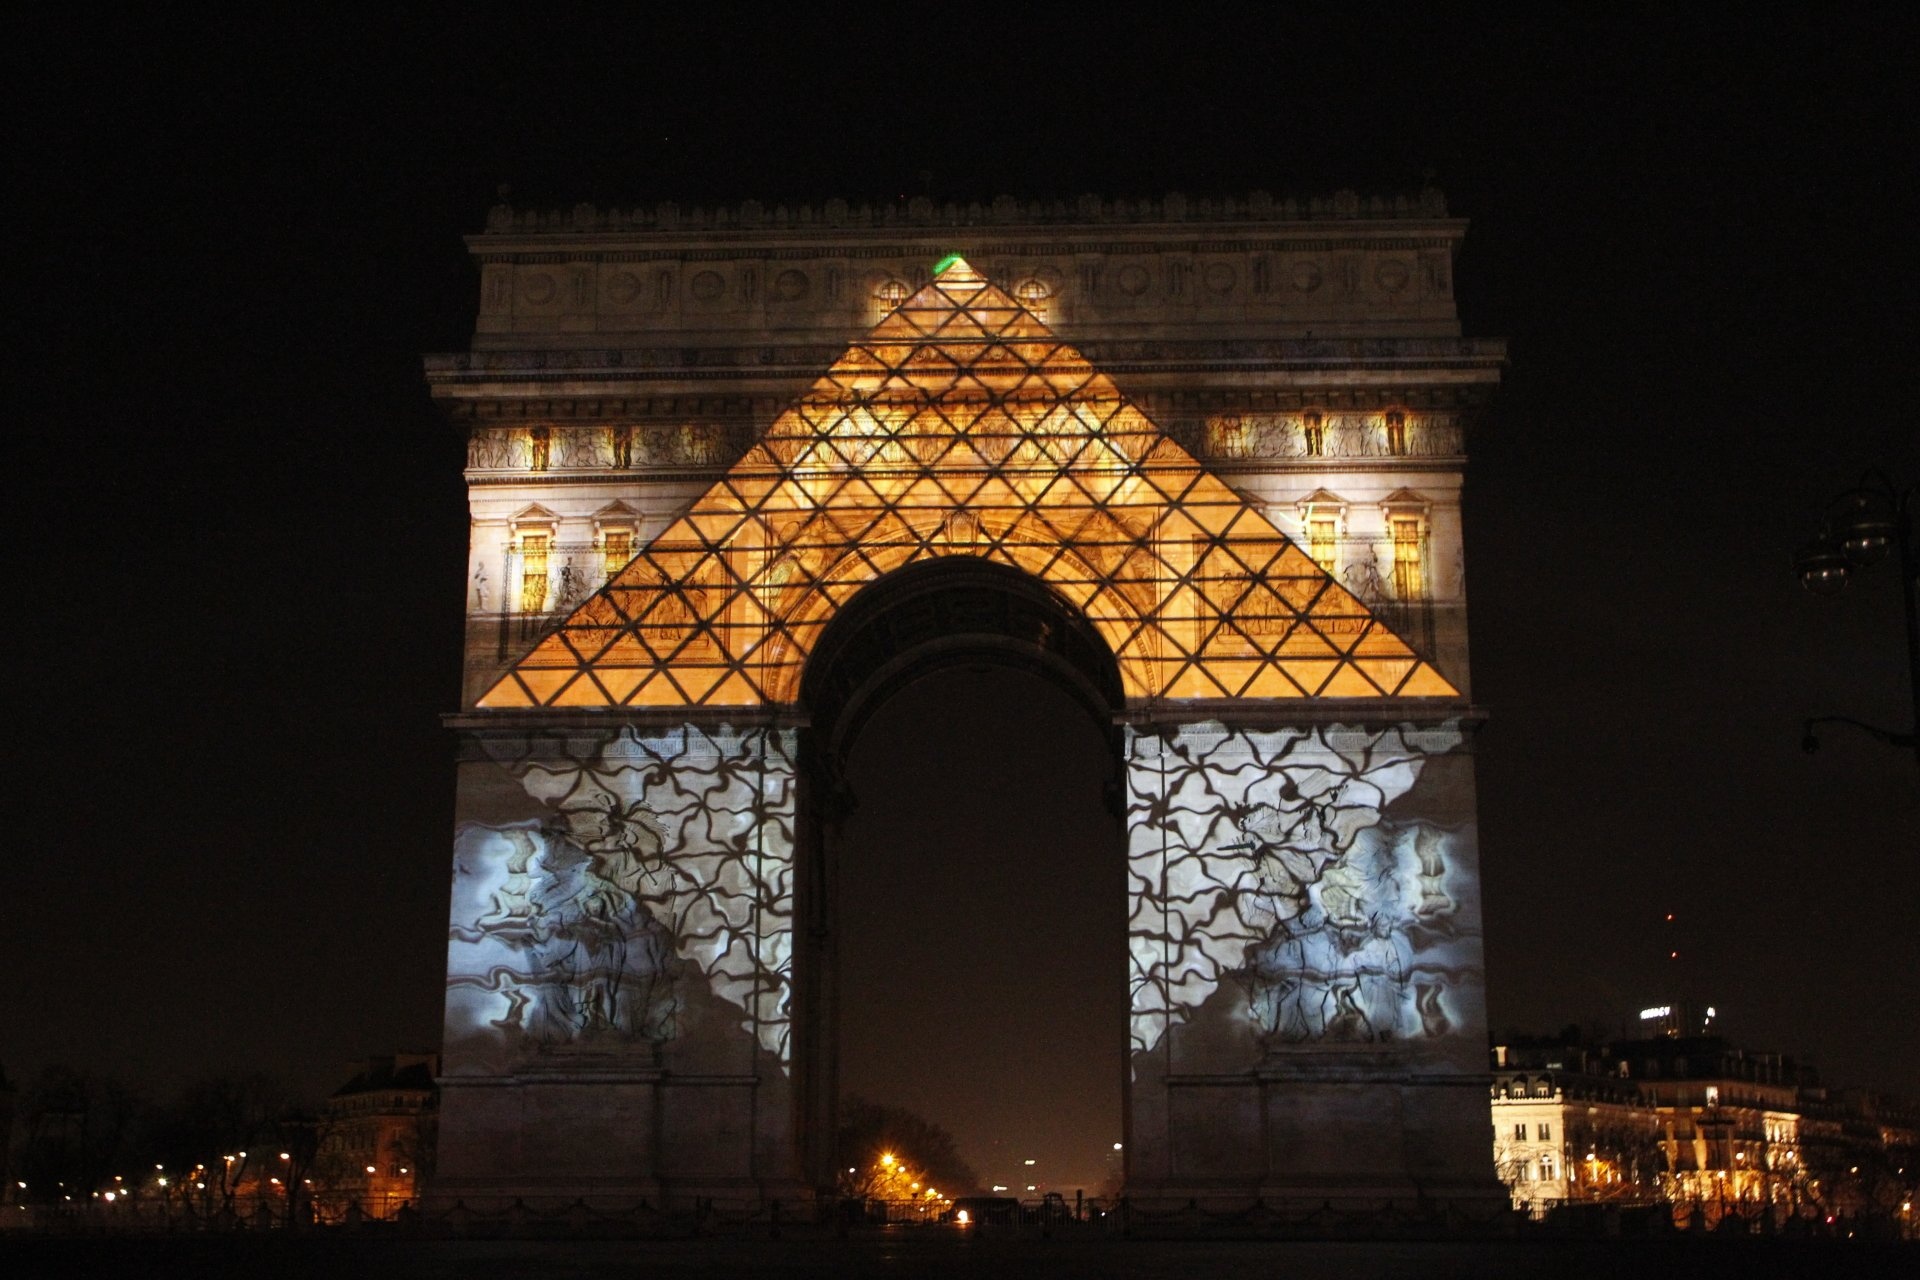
(616, 548)
(961, 425)
(533, 572)
(1409, 580)
(1322, 532)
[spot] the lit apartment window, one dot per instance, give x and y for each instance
(1547, 1168)
(1409, 577)
(534, 551)
(1315, 433)
(1396, 432)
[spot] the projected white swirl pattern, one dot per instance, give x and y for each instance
(1263, 858)
(657, 852)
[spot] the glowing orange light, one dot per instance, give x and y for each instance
(961, 425)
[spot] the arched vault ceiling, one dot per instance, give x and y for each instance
(961, 426)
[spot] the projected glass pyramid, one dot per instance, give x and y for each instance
(961, 426)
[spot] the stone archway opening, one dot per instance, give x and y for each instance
(967, 886)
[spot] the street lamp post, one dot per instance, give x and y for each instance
(1863, 524)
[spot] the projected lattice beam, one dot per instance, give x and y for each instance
(962, 426)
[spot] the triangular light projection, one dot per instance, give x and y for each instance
(962, 426)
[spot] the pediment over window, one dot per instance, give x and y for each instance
(534, 516)
(1406, 501)
(1322, 500)
(616, 514)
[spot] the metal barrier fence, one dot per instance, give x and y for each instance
(559, 1219)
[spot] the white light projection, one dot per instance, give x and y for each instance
(1264, 858)
(659, 851)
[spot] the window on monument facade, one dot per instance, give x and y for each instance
(1396, 432)
(1543, 1132)
(1409, 577)
(616, 548)
(1520, 1132)
(1315, 434)
(534, 551)
(540, 441)
(1322, 534)
(1547, 1168)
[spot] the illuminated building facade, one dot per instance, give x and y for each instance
(1698, 1125)
(737, 475)
(376, 1138)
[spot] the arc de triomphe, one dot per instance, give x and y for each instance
(737, 474)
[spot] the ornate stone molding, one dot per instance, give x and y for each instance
(617, 446)
(1341, 435)
(1346, 353)
(1003, 210)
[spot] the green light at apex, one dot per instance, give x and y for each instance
(945, 262)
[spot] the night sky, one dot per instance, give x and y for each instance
(242, 525)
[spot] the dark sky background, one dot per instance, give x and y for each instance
(242, 530)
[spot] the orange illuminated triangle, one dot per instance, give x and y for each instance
(962, 426)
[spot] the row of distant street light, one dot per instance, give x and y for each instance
(162, 1183)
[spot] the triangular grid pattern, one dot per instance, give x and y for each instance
(962, 426)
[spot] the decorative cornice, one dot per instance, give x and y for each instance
(1088, 210)
(1114, 355)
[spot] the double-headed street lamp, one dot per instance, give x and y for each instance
(1863, 524)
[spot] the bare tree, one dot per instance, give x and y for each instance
(75, 1127)
(869, 1131)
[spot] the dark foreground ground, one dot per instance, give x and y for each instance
(938, 1257)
